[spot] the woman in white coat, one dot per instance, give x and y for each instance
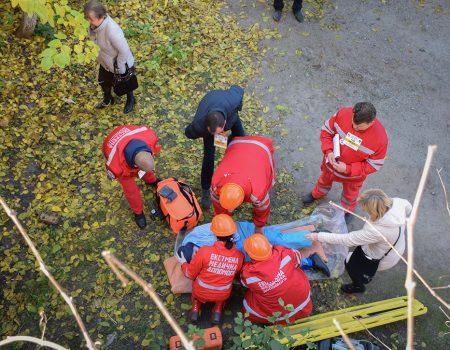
(372, 253)
(114, 51)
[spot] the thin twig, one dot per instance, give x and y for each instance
(445, 191)
(447, 323)
(344, 336)
(443, 287)
(24, 338)
(90, 345)
(43, 323)
(427, 286)
(117, 265)
(410, 285)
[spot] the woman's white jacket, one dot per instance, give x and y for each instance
(371, 241)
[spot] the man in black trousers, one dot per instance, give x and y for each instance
(296, 8)
(217, 112)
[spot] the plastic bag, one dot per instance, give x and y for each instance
(325, 218)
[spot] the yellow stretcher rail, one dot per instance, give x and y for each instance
(352, 319)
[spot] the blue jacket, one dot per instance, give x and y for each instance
(228, 102)
(202, 235)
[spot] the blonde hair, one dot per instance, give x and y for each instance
(375, 202)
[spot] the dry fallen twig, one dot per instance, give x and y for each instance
(443, 187)
(117, 265)
(344, 336)
(23, 338)
(90, 345)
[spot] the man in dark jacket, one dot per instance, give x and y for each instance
(217, 112)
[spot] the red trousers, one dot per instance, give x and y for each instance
(132, 193)
(350, 190)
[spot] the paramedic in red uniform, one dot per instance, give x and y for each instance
(129, 152)
(213, 269)
(274, 273)
(363, 146)
(245, 174)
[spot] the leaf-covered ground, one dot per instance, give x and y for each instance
(51, 161)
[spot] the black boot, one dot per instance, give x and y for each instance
(277, 15)
(308, 199)
(319, 264)
(129, 105)
(299, 15)
(353, 288)
(107, 100)
(206, 199)
(140, 220)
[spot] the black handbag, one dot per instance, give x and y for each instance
(124, 83)
(362, 268)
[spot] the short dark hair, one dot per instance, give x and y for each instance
(96, 7)
(214, 120)
(364, 112)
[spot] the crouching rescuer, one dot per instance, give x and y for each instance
(245, 175)
(274, 273)
(129, 151)
(213, 269)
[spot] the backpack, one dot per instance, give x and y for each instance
(178, 204)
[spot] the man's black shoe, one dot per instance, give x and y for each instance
(319, 264)
(299, 16)
(129, 105)
(206, 199)
(140, 220)
(308, 199)
(277, 15)
(351, 288)
(348, 218)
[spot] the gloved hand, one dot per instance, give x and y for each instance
(181, 259)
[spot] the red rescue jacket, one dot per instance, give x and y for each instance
(115, 143)
(367, 158)
(249, 162)
(278, 277)
(213, 269)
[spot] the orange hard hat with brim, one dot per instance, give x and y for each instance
(223, 225)
(258, 247)
(231, 196)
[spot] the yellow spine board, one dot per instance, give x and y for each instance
(352, 319)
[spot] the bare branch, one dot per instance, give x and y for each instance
(117, 265)
(344, 336)
(47, 273)
(24, 338)
(443, 187)
(410, 285)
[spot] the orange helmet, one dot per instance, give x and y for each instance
(231, 196)
(222, 225)
(258, 247)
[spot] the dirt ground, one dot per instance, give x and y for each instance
(395, 54)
